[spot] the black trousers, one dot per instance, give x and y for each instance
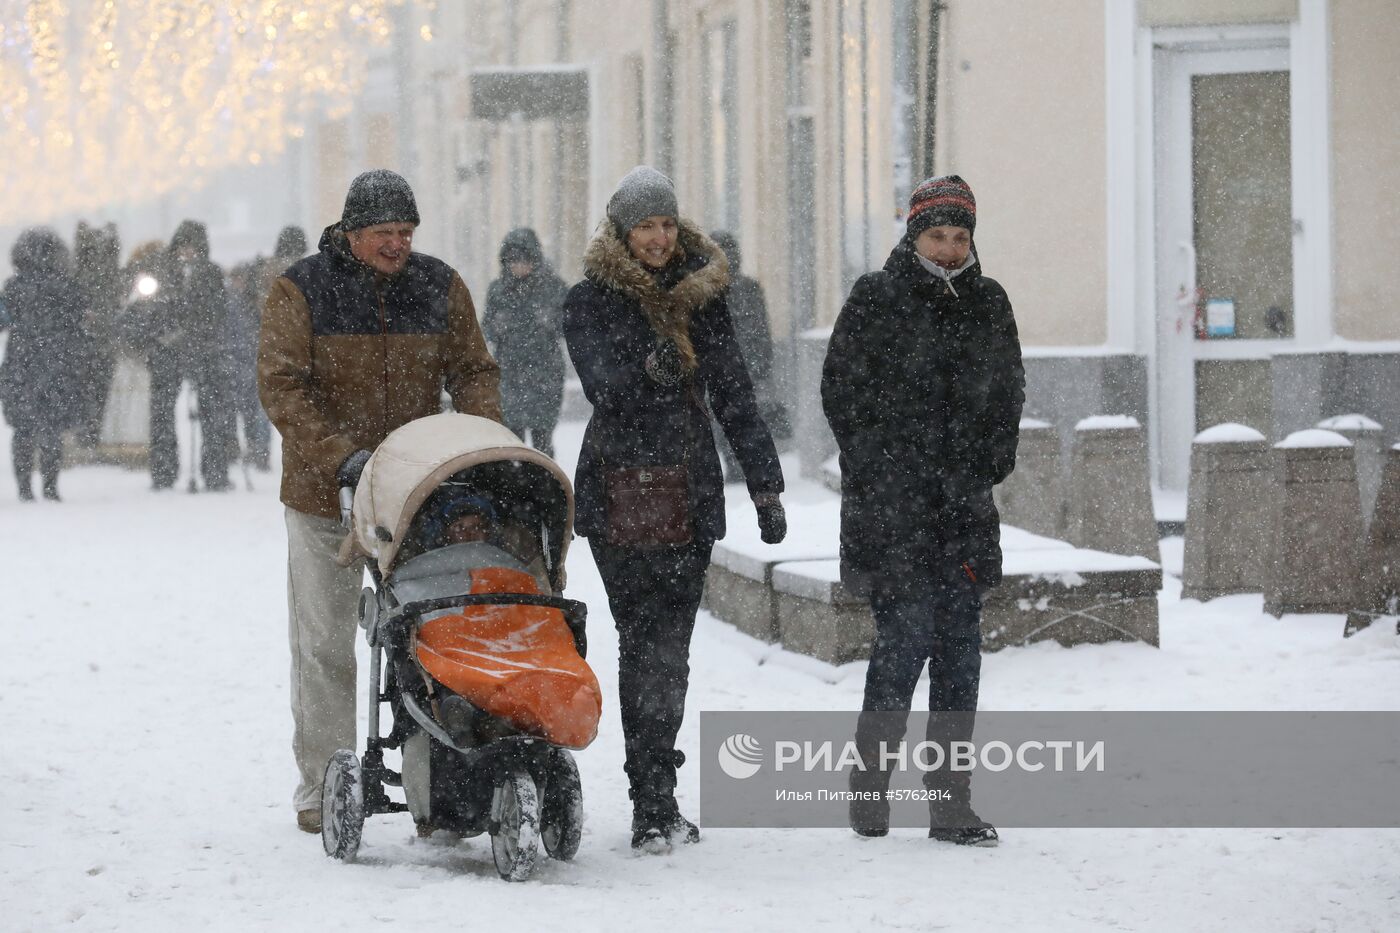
(654, 594)
(215, 418)
(257, 430)
(97, 383)
(165, 390)
(935, 623)
(217, 429)
(47, 442)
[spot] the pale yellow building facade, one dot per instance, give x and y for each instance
(1187, 197)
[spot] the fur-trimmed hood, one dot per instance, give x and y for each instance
(704, 277)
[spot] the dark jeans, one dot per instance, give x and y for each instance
(938, 623)
(654, 594)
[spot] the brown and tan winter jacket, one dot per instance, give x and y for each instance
(346, 356)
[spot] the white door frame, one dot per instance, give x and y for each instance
(1135, 296)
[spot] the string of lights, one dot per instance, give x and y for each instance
(103, 100)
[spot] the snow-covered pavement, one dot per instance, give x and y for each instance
(147, 772)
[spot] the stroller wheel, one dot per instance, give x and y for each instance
(561, 813)
(342, 806)
(515, 820)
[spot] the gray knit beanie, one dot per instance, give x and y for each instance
(643, 192)
(378, 197)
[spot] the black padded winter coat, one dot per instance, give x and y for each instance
(923, 387)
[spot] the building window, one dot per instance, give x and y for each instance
(721, 125)
(801, 161)
(861, 97)
(635, 142)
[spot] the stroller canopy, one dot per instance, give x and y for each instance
(416, 459)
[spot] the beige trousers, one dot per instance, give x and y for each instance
(322, 605)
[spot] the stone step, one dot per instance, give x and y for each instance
(793, 594)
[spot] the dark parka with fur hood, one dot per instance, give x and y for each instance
(638, 422)
(923, 387)
(39, 382)
(195, 302)
(522, 322)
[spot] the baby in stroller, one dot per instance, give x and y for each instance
(479, 658)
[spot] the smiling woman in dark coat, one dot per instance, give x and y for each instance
(649, 333)
(923, 387)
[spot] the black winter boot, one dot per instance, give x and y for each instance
(869, 812)
(657, 825)
(870, 808)
(656, 818)
(973, 831)
(952, 819)
(26, 491)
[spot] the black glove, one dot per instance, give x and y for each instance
(350, 470)
(772, 520)
(663, 364)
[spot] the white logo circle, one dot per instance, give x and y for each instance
(740, 756)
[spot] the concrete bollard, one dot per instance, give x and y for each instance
(1365, 437)
(815, 442)
(1110, 493)
(1227, 513)
(1315, 548)
(1380, 563)
(1033, 496)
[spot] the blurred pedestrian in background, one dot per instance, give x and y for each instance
(524, 308)
(196, 306)
(240, 359)
(141, 333)
(39, 384)
(249, 286)
(748, 309)
(97, 266)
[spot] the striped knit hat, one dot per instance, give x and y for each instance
(944, 201)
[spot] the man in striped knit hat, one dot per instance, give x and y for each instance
(923, 387)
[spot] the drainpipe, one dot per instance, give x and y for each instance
(935, 37)
(660, 88)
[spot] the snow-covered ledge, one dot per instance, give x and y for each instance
(792, 593)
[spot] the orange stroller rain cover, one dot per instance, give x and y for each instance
(516, 662)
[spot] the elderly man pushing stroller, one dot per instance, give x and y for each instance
(358, 339)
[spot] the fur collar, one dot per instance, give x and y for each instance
(608, 262)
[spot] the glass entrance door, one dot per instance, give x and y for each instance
(1225, 241)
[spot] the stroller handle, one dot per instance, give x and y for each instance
(347, 505)
(575, 612)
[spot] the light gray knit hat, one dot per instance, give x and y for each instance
(643, 192)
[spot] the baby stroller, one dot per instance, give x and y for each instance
(465, 530)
